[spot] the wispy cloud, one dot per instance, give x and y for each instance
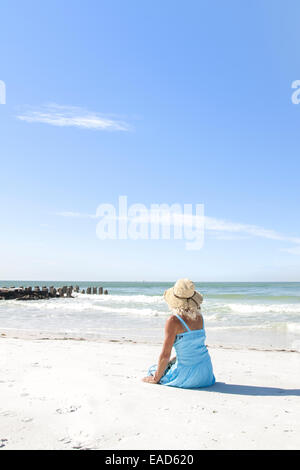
(222, 229)
(66, 116)
(218, 225)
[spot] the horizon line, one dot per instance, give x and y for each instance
(144, 281)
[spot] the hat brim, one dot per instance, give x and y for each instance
(175, 302)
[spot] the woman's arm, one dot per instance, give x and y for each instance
(170, 333)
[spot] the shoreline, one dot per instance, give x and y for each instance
(89, 395)
(6, 333)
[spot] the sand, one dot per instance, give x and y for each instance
(67, 394)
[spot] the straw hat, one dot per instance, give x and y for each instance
(183, 294)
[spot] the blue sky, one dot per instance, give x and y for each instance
(164, 102)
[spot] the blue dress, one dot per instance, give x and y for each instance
(193, 367)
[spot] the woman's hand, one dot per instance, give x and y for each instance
(150, 379)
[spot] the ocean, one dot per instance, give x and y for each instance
(263, 315)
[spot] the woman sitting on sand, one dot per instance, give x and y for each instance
(192, 367)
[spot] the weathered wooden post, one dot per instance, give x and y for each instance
(100, 290)
(69, 292)
(105, 292)
(89, 290)
(83, 291)
(45, 291)
(52, 291)
(94, 290)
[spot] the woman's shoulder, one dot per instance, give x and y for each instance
(174, 325)
(172, 322)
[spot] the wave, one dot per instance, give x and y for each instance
(137, 305)
(246, 296)
(262, 308)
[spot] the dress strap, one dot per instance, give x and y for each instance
(183, 322)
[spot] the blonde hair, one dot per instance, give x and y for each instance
(190, 312)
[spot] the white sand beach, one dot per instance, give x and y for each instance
(68, 394)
